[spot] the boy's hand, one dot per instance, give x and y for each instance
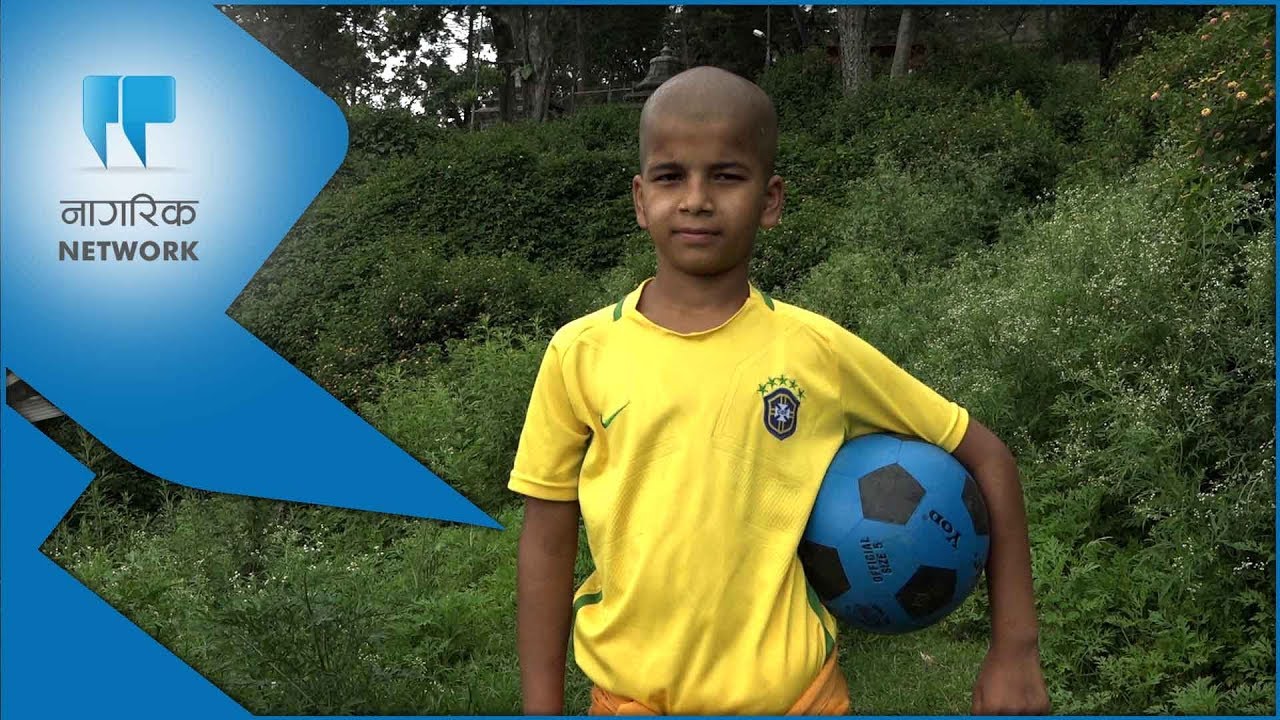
(1010, 683)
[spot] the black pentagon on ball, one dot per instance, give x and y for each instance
(871, 616)
(822, 567)
(928, 590)
(889, 494)
(976, 506)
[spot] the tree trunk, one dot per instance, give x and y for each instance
(523, 67)
(1050, 35)
(538, 36)
(504, 45)
(685, 60)
(906, 38)
(854, 69)
(469, 111)
(798, 15)
(1107, 59)
(579, 57)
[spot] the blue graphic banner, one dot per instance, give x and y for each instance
(154, 154)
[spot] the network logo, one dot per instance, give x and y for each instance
(131, 100)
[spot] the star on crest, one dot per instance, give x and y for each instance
(780, 381)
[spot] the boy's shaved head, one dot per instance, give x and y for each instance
(709, 94)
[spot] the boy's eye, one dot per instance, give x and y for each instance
(729, 176)
(667, 177)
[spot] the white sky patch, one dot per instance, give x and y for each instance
(455, 50)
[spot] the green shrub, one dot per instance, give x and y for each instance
(397, 301)
(856, 282)
(388, 132)
(1066, 105)
(638, 264)
(1185, 91)
(995, 69)
(338, 612)
(929, 217)
(816, 168)
(463, 418)
(913, 221)
(803, 88)
(931, 128)
(786, 253)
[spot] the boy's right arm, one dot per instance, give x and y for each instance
(544, 598)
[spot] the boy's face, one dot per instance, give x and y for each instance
(703, 192)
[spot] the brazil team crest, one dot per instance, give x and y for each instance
(782, 396)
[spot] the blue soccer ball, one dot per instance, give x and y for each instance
(898, 536)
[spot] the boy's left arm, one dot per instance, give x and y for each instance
(1011, 681)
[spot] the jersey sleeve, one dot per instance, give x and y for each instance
(554, 439)
(878, 396)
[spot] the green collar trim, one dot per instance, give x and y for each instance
(767, 300)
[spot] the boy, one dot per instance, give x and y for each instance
(650, 418)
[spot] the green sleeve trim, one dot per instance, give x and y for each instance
(767, 300)
(617, 310)
(816, 604)
(589, 599)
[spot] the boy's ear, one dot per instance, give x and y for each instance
(637, 199)
(775, 197)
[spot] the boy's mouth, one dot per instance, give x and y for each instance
(694, 235)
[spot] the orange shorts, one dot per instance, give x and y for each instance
(828, 694)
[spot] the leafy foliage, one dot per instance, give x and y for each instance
(1209, 92)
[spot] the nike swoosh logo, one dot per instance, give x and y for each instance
(607, 421)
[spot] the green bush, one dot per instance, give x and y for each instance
(928, 217)
(638, 264)
(508, 195)
(815, 168)
(1066, 105)
(1187, 91)
(914, 221)
(463, 418)
(118, 488)
(401, 301)
(932, 128)
(995, 69)
(343, 621)
(805, 236)
(803, 87)
(856, 282)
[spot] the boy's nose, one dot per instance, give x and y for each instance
(696, 199)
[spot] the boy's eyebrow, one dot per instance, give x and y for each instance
(669, 165)
(672, 165)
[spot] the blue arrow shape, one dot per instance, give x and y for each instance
(142, 353)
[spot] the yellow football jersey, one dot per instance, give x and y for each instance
(696, 459)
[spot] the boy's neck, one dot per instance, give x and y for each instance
(689, 303)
